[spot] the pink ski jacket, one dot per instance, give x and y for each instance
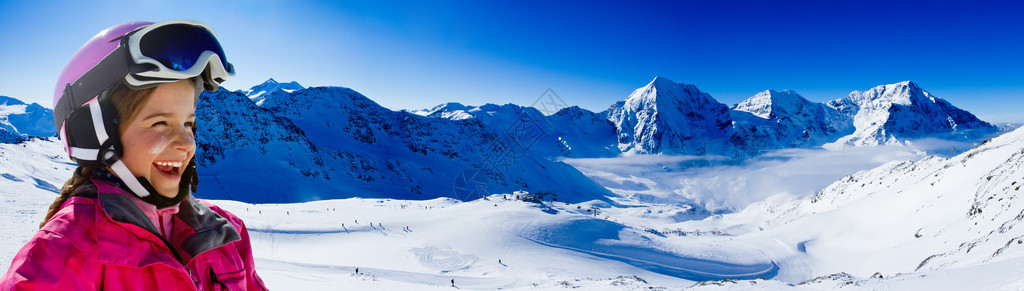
(101, 240)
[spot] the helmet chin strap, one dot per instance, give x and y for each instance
(140, 187)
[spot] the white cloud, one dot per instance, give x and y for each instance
(720, 184)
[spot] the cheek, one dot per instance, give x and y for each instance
(141, 149)
(159, 144)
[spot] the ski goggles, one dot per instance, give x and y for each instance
(174, 50)
(159, 53)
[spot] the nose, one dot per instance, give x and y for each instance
(183, 139)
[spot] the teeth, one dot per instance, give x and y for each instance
(169, 164)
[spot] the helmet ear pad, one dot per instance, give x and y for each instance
(82, 132)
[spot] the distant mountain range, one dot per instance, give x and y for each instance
(282, 142)
(331, 142)
(676, 118)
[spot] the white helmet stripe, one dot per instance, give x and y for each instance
(84, 154)
(97, 122)
(129, 180)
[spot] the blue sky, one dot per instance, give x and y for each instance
(417, 54)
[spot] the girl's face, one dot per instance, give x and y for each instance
(158, 142)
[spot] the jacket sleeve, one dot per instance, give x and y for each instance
(244, 246)
(50, 261)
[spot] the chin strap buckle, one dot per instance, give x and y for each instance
(108, 154)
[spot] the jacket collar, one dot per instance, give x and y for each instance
(202, 229)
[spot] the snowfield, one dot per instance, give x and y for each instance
(933, 223)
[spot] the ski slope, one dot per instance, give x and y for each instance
(428, 243)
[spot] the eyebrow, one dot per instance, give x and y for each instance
(165, 114)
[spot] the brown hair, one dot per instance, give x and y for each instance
(128, 103)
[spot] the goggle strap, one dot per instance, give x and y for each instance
(106, 73)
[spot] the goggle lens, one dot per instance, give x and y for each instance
(179, 46)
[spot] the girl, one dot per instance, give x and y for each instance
(126, 220)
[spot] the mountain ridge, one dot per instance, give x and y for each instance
(256, 93)
(343, 144)
(893, 113)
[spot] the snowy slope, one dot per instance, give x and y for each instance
(417, 244)
(672, 118)
(19, 120)
(931, 215)
(583, 133)
(893, 113)
(572, 131)
(247, 153)
(330, 142)
(523, 127)
(838, 239)
(31, 173)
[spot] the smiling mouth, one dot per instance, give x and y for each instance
(169, 168)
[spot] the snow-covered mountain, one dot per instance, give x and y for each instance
(676, 118)
(19, 121)
(571, 131)
(583, 133)
(897, 112)
(665, 117)
(672, 118)
(331, 142)
(256, 93)
(247, 153)
(773, 120)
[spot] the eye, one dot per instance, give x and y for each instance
(190, 124)
(159, 123)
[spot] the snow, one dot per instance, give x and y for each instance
(257, 93)
(787, 120)
(676, 118)
(673, 118)
(771, 103)
(318, 245)
(889, 114)
(336, 143)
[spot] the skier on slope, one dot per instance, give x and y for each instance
(126, 220)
